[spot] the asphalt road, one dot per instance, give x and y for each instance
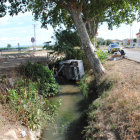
(132, 55)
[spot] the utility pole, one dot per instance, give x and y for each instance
(125, 39)
(130, 36)
(34, 33)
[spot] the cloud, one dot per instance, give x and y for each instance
(19, 29)
(20, 23)
(119, 33)
(24, 31)
(10, 39)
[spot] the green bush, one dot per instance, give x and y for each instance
(24, 99)
(42, 78)
(102, 55)
(32, 109)
(83, 85)
(66, 43)
(87, 85)
(97, 46)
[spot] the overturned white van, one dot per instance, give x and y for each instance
(71, 69)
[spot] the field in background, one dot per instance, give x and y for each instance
(19, 50)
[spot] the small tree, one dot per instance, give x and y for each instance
(99, 42)
(135, 40)
(47, 45)
(9, 46)
(107, 42)
(68, 42)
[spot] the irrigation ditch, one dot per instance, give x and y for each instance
(71, 119)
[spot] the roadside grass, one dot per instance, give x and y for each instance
(116, 113)
(102, 55)
(86, 84)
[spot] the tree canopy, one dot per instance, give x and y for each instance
(55, 12)
(68, 42)
(135, 40)
(107, 42)
(93, 12)
(9, 46)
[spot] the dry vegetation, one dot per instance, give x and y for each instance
(116, 114)
(10, 127)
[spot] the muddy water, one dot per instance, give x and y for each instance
(71, 117)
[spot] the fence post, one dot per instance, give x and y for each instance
(19, 50)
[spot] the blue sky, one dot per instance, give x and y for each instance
(19, 29)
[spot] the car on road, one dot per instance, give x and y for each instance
(114, 47)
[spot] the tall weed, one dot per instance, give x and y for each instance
(102, 55)
(42, 78)
(27, 98)
(31, 109)
(87, 85)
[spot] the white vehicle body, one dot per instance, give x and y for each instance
(72, 69)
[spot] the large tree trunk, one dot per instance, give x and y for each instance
(87, 46)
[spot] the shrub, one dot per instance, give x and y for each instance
(24, 98)
(87, 85)
(102, 55)
(83, 85)
(31, 109)
(66, 42)
(97, 46)
(42, 78)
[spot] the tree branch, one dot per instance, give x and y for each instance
(91, 19)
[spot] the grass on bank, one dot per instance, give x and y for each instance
(27, 98)
(117, 110)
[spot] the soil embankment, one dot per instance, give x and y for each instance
(10, 128)
(116, 114)
(10, 61)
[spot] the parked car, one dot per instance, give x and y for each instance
(114, 47)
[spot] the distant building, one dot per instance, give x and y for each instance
(117, 40)
(130, 41)
(138, 36)
(125, 41)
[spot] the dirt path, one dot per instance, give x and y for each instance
(8, 62)
(10, 128)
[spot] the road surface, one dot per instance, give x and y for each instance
(132, 55)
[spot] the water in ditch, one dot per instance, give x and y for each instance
(71, 118)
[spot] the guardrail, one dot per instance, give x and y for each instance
(11, 50)
(20, 50)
